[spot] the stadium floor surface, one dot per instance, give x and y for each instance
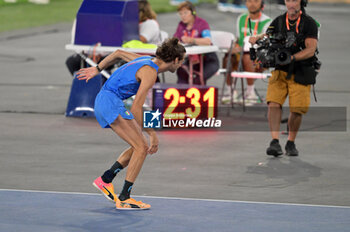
(58, 211)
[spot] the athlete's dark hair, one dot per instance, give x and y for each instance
(170, 50)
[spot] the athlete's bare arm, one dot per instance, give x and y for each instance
(88, 73)
(148, 76)
(118, 54)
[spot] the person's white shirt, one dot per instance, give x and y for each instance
(246, 44)
(150, 30)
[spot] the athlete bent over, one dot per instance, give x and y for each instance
(134, 78)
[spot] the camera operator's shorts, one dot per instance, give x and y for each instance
(279, 88)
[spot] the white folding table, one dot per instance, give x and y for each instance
(190, 51)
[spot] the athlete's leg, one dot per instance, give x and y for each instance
(125, 157)
(131, 132)
(121, 163)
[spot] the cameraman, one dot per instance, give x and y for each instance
(295, 77)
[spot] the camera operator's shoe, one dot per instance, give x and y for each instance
(291, 150)
(274, 149)
(131, 204)
(106, 189)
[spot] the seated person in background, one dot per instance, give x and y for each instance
(259, 24)
(193, 30)
(149, 32)
(75, 62)
(149, 27)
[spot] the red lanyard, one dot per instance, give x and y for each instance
(255, 28)
(193, 32)
(298, 22)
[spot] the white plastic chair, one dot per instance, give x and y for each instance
(163, 35)
(222, 39)
(225, 41)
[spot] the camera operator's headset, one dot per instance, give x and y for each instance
(303, 3)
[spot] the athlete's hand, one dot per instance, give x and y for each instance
(153, 140)
(87, 73)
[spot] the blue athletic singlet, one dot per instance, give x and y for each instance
(121, 85)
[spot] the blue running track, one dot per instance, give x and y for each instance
(52, 211)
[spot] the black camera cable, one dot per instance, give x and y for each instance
(252, 52)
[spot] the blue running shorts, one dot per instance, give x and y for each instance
(107, 108)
